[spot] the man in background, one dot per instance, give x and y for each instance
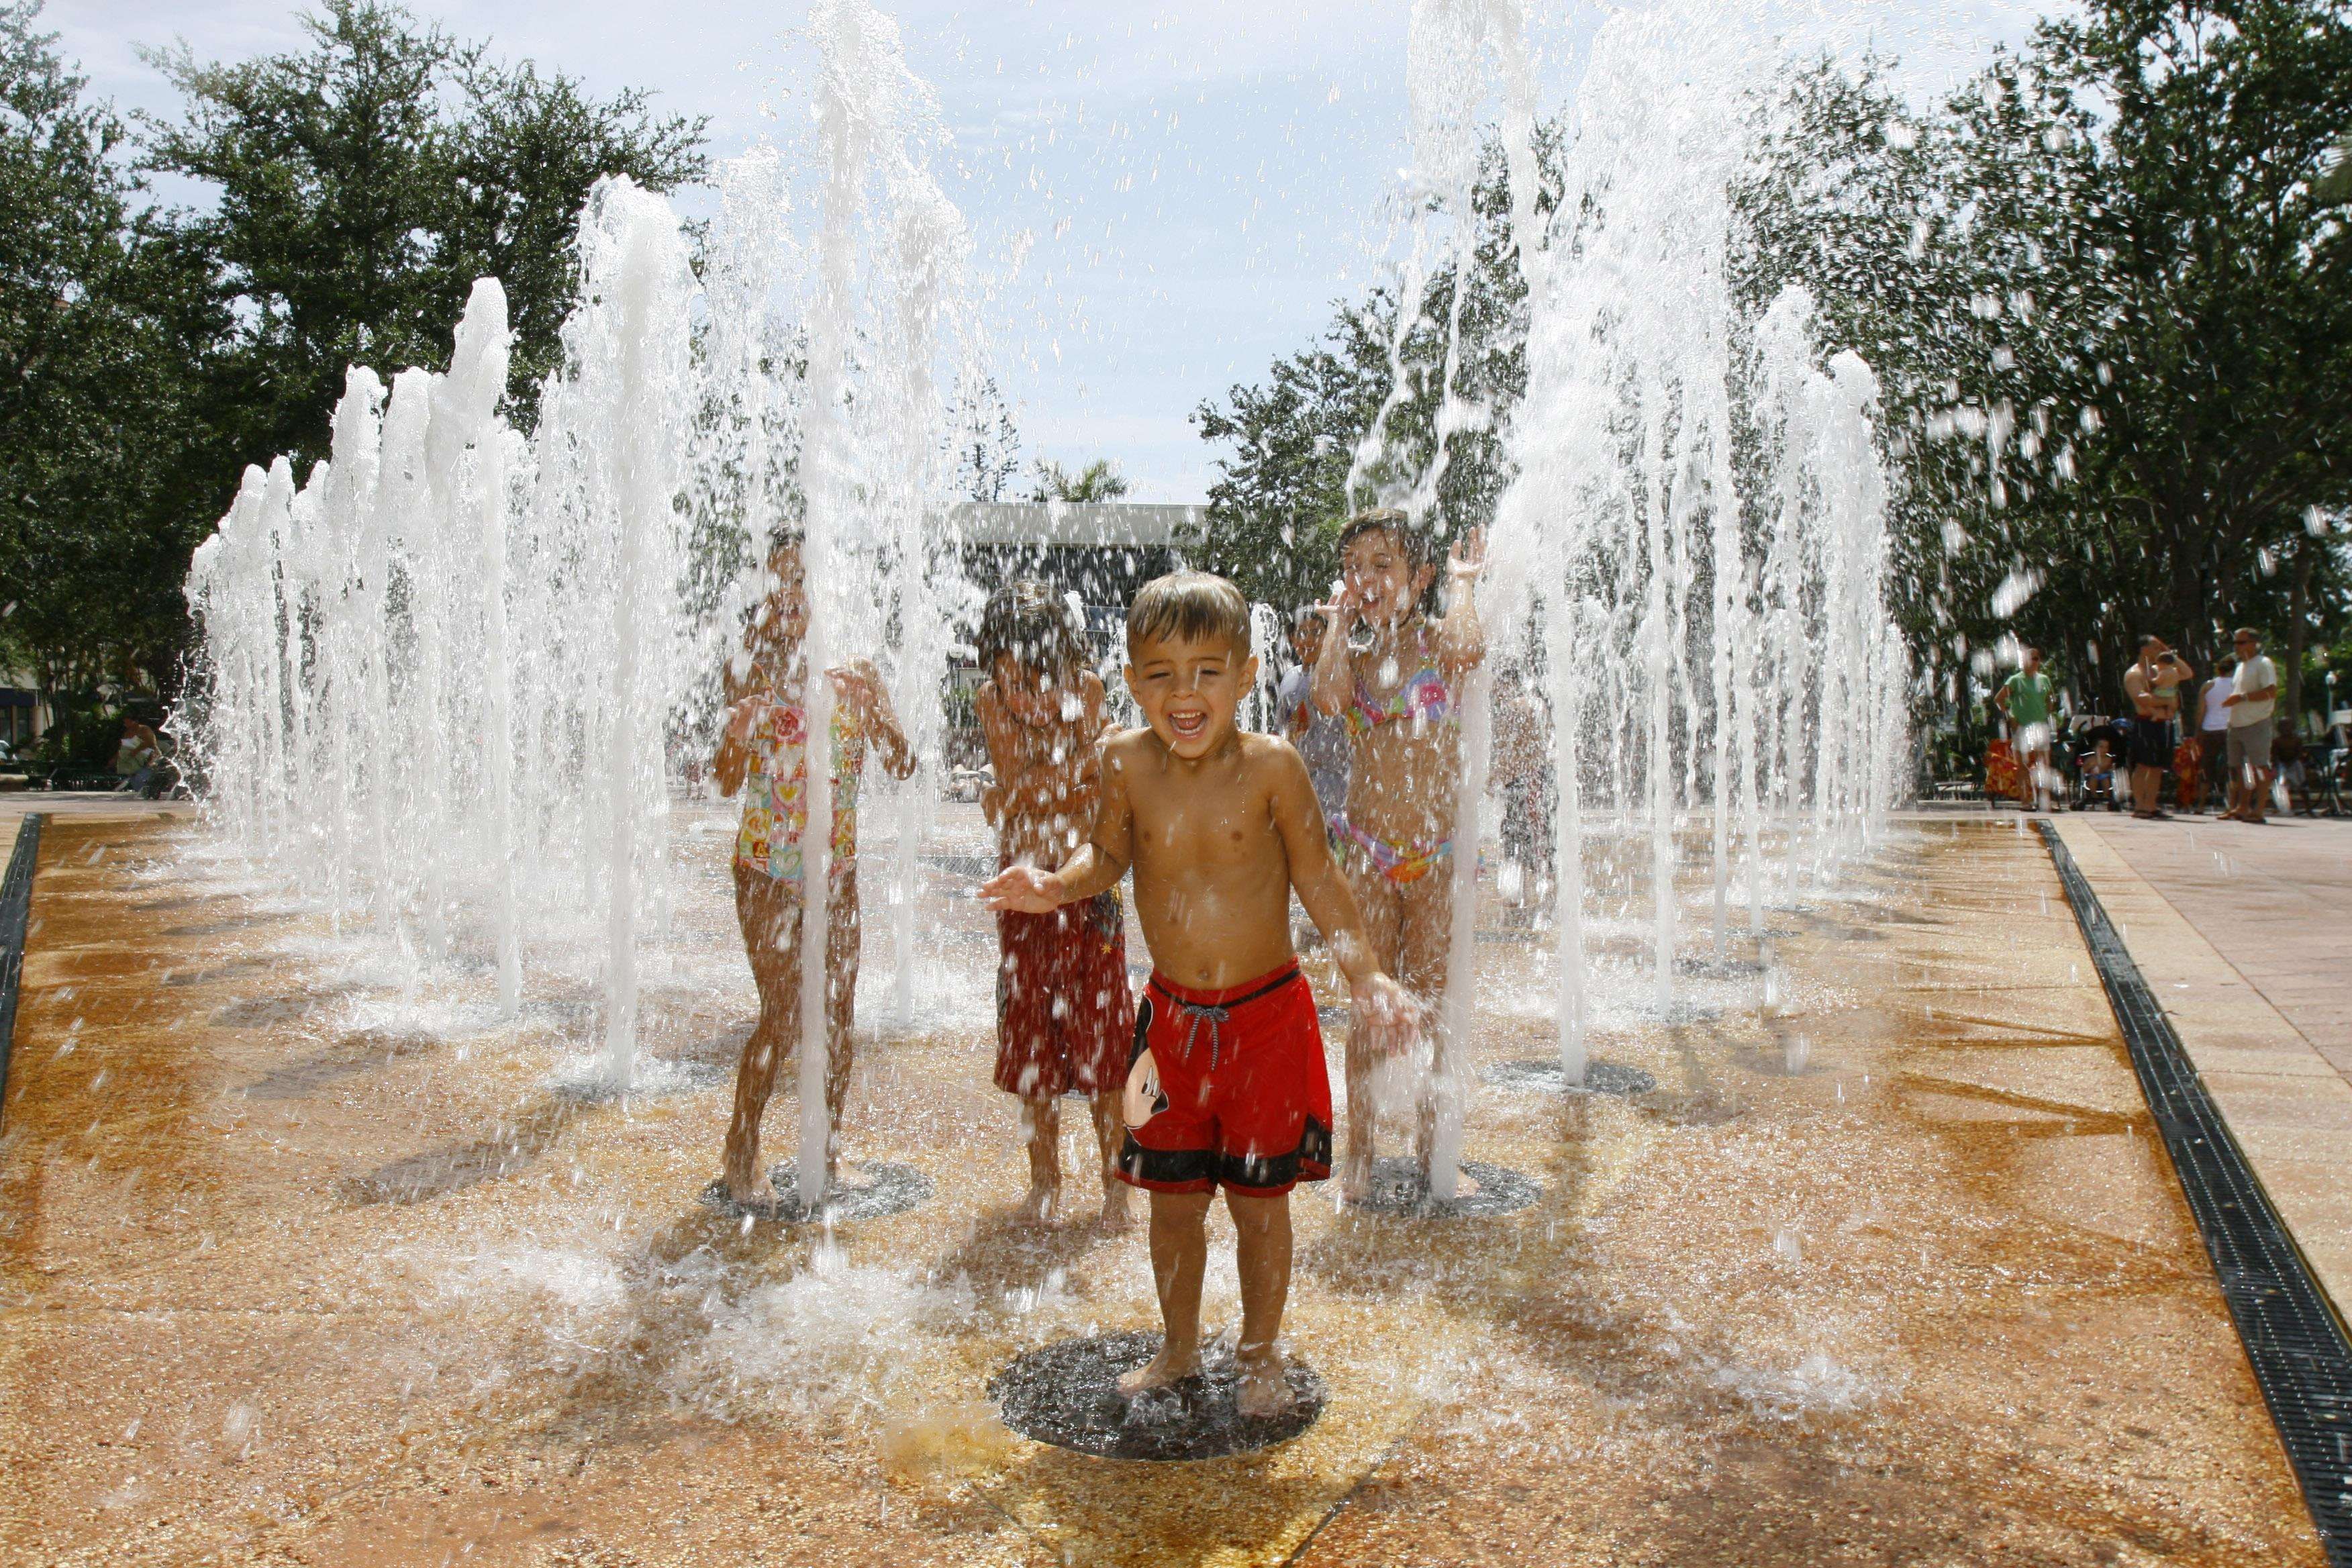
(2153, 683)
(2213, 730)
(2252, 702)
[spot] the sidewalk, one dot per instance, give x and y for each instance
(2244, 935)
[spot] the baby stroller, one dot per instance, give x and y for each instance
(2098, 745)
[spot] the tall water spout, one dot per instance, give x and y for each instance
(1680, 596)
(465, 415)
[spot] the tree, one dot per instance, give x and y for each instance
(1097, 481)
(1277, 504)
(987, 450)
(2108, 308)
(362, 183)
(105, 319)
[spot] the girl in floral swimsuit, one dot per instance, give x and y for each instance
(1396, 695)
(764, 752)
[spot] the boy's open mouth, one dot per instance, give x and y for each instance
(1188, 725)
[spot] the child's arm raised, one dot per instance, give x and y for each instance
(1460, 638)
(1383, 1008)
(1100, 863)
(1332, 683)
(860, 685)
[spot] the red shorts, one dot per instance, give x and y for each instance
(1063, 1009)
(1248, 1103)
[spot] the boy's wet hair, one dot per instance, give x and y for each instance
(1190, 606)
(1396, 523)
(1025, 621)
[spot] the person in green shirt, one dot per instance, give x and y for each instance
(2026, 700)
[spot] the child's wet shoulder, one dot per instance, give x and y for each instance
(1120, 747)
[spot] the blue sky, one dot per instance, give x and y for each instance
(1202, 179)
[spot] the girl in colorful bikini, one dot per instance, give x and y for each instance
(764, 752)
(1395, 691)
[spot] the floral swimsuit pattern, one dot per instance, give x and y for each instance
(775, 808)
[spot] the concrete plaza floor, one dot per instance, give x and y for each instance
(303, 1261)
(2244, 935)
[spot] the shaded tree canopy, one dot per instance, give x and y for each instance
(357, 187)
(110, 455)
(365, 182)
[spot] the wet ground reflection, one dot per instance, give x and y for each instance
(307, 1260)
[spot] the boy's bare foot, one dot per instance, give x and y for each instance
(1040, 1206)
(1162, 1371)
(1115, 1214)
(1263, 1392)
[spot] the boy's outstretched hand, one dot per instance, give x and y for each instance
(1024, 889)
(1386, 1014)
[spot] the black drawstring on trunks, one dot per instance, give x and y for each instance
(1218, 1014)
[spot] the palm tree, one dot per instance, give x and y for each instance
(1097, 481)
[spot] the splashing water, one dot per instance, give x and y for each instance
(453, 649)
(449, 682)
(1703, 615)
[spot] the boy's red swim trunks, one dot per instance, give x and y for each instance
(1063, 1009)
(1248, 1100)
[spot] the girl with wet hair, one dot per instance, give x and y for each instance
(1391, 673)
(1064, 1014)
(764, 753)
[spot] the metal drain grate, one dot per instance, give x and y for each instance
(2292, 1336)
(16, 911)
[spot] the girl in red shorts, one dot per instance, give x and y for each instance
(1064, 1014)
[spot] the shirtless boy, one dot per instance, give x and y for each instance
(2154, 684)
(1219, 828)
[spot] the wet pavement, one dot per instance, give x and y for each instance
(306, 1260)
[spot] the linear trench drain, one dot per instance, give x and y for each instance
(2293, 1338)
(15, 913)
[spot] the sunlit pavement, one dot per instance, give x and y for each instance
(2244, 935)
(300, 1268)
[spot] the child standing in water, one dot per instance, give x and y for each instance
(1227, 1088)
(1397, 696)
(1063, 1009)
(764, 752)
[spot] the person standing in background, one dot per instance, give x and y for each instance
(1321, 739)
(2153, 683)
(2213, 729)
(2252, 702)
(2026, 699)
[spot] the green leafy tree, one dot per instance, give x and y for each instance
(1281, 494)
(106, 316)
(2106, 298)
(363, 183)
(986, 445)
